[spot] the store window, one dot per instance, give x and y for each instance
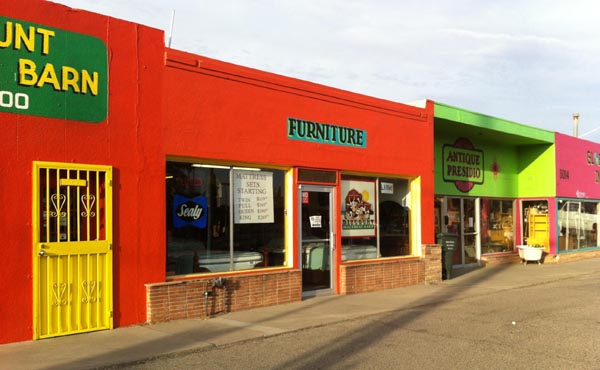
(497, 226)
(223, 218)
(536, 223)
(578, 224)
(375, 218)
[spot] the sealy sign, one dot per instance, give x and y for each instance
(52, 73)
(189, 212)
(326, 133)
(462, 164)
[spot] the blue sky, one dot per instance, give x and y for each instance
(534, 62)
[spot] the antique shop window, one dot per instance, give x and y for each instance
(536, 222)
(375, 217)
(578, 224)
(223, 218)
(497, 226)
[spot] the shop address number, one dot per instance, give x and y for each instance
(9, 99)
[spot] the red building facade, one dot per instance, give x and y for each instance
(143, 184)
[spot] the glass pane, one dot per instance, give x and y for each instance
(536, 223)
(497, 226)
(394, 216)
(316, 232)
(359, 229)
(260, 196)
(200, 237)
(469, 232)
(454, 227)
(578, 224)
(375, 221)
(197, 219)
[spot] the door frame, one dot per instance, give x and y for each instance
(331, 190)
(69, 289)
(462, 233)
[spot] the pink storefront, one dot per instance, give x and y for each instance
(577, 196)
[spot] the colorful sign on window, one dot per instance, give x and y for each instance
(358, 208)
(53, 73)
(189, 211)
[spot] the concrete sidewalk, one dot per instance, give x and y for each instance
(135, 343)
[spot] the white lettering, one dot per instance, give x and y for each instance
(194, 213)
(10, 100)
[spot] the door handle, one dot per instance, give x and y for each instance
(42, 253)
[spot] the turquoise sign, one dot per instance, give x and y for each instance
(326, 133)
(52, 73)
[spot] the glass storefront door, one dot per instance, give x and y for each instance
(317, 239)
(470, 231)
(460, 217)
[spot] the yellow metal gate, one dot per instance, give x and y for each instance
(72, 248)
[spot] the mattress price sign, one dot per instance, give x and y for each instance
(52, 73)
(253, 197)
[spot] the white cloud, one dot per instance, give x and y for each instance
(534, 62)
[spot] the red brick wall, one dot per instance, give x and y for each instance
(570, 257)
(186, 299)
(393, 273)
(547, 258)
(432, 255)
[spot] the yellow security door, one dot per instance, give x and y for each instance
(72, 248)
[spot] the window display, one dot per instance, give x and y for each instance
(536, 223)
(497, 226)
(375, 218)
(578, 224)
(222, 218)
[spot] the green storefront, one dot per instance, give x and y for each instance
(494, 183)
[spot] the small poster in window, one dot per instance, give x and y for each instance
(253, 197)
(315, 221)
(305, 197)
(387, 188)
(358, 208)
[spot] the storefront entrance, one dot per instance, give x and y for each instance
(72, 248)
(461, 217)
(317, 238)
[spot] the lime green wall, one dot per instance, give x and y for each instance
(518, 131)
(518, 160)
(537, 174)
(502, 184)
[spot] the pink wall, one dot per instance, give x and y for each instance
(577, 168)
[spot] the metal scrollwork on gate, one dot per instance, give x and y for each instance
(89, 288)
(88, 204)
(59, 294)
(58, 201)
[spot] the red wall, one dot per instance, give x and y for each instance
(209, 109)
(214, 109)
(129, 140)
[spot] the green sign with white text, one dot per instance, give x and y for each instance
(52, 73)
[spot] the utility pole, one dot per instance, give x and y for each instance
(171, 29)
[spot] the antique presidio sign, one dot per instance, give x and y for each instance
(462, 164)
(52, 73)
